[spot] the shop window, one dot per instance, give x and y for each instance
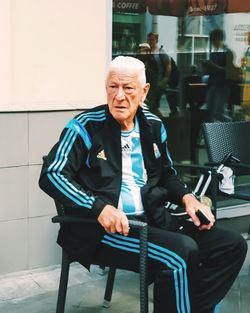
(186, 40)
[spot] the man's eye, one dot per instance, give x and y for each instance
(129, 89)
(112, 88)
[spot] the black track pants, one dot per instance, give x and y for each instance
(192, 272)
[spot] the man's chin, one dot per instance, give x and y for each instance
(120, 116)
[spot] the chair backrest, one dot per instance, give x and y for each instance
(222, 138)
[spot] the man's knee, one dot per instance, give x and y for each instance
(189, 247)
(239, 244)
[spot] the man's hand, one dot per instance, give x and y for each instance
(192, 205)
(114, 220)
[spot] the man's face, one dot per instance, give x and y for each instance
(217, 43)
(124, 94)
(152, 41)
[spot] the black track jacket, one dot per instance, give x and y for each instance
(83, 172)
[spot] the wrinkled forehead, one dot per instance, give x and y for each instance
(123, 75)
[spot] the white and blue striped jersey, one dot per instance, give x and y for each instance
(134, 174)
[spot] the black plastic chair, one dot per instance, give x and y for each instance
(230, 138)
(223, 140)
(66, 260)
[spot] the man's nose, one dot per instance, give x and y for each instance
(120, 94)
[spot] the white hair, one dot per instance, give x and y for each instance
(128, 64)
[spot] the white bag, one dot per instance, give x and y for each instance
(226, 185)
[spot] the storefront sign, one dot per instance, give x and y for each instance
(136, 6)
(206, 7)
(181, 7)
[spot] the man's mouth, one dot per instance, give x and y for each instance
(120, 107)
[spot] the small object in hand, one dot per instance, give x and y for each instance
(207, 201)
(202, 217)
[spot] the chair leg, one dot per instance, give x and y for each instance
(109, 287)
(63, 283)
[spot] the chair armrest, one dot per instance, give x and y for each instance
(143, 231)
(142, 226)
(196, 166)
(240, 165)
(72, 219)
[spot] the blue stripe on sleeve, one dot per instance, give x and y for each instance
(74, 127)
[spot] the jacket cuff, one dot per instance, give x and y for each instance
(98, 207)
(182, 193)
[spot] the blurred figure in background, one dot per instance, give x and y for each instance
(164, 71)
(218, 91)
(192, 93)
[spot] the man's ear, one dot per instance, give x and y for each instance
(145, 91)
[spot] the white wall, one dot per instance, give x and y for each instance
(237, 26)
(53, 52)
(5, 53)
(53, 56)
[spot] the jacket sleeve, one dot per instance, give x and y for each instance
(60, 168)
(169, 178)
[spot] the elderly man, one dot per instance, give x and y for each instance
(219, 67)
(112, 164)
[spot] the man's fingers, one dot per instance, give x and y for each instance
(113, 229)
(196, 221)
(115, 221)
(209, 215)
(122, 226)
(125, 226)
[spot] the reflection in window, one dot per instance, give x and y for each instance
(186, 40)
